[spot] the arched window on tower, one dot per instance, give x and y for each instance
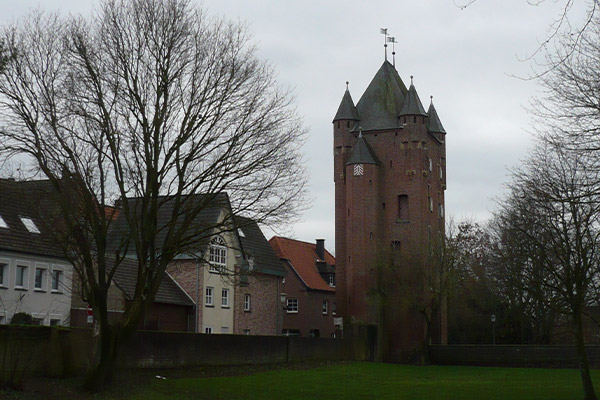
(403, 207)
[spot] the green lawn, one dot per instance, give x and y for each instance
(379, 381)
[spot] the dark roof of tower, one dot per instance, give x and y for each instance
(434, 124)
(412, 104)
(346, 110)
(362, 153)
(381, 103)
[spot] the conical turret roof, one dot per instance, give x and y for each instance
(381, 103)
(434, 124)
(362, 153)
(412, 104)
(346, 110)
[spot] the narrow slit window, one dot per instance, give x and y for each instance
(403, 207)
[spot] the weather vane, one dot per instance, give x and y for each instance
(383, 31)
(392, 40)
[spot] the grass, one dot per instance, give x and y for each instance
(377, 381)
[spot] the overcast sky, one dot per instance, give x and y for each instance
(465, 58)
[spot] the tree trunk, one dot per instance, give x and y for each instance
(106, 355)
(584, 366)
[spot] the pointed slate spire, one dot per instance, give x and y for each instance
(434, 125)
(347, 110)
(412, 104)
(381, 102)
(362, 153)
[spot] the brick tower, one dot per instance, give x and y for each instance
(390, 177)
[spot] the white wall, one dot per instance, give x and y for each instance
(43, 303)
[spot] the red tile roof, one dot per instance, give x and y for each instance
(302, 256)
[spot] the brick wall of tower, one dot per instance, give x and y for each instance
(342, 147)
(374, 235)
(362, 230)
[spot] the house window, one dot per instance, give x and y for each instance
(54, 322)
(56, 280)
(358, 170)
(292, 305)
(403, 207)
(39, 278)
(246, 331)
(331, 280)
(246, 302)
(208, 329)
(209, 296)
(441, 172)
(2, 319)
(441, 210)
(37, 321)
(430, 199)
(30, 225)
(224, 329)
(218, 255)
(3, 273)
(225, 298)
(314, 333)
(430, 164)
(21, 278)
(333, 335)
(333, 308)
(325, 307)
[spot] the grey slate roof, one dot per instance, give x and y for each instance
(346, 110)
(197, 234)
(382, 101)
(362, 153)
(256, 246)
(434, 125)
(412, 104)
(168, 292)
(28, 199)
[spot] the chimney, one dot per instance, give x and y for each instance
(321, 248)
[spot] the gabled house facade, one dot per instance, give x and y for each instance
(258, 307)
(309, 287)
(34, 276)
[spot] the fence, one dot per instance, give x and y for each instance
(555, 356)
(49, 351)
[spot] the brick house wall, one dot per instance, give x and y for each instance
(185, 273)
(310, 302)
(265, 306)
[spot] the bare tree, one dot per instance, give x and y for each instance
(151, 100)
(555, 199)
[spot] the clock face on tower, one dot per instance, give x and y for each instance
(358, 170)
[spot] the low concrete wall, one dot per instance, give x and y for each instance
(47, 351)
(555, 356)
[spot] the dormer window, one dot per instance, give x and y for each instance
(3, 223)
(358, 170)
(331, 281)
(30, 225)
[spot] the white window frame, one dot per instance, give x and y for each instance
(247, 302)
(208, 329)
(291, 306)
(430, 165)
(60, 282)
(333, 308)
(44, 269)
(25, 278)
(331, 280)
(325, 307)
(209, 297)
(217, 255)
(224, 298)
(5, 267)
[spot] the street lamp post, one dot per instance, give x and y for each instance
(493, 318)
